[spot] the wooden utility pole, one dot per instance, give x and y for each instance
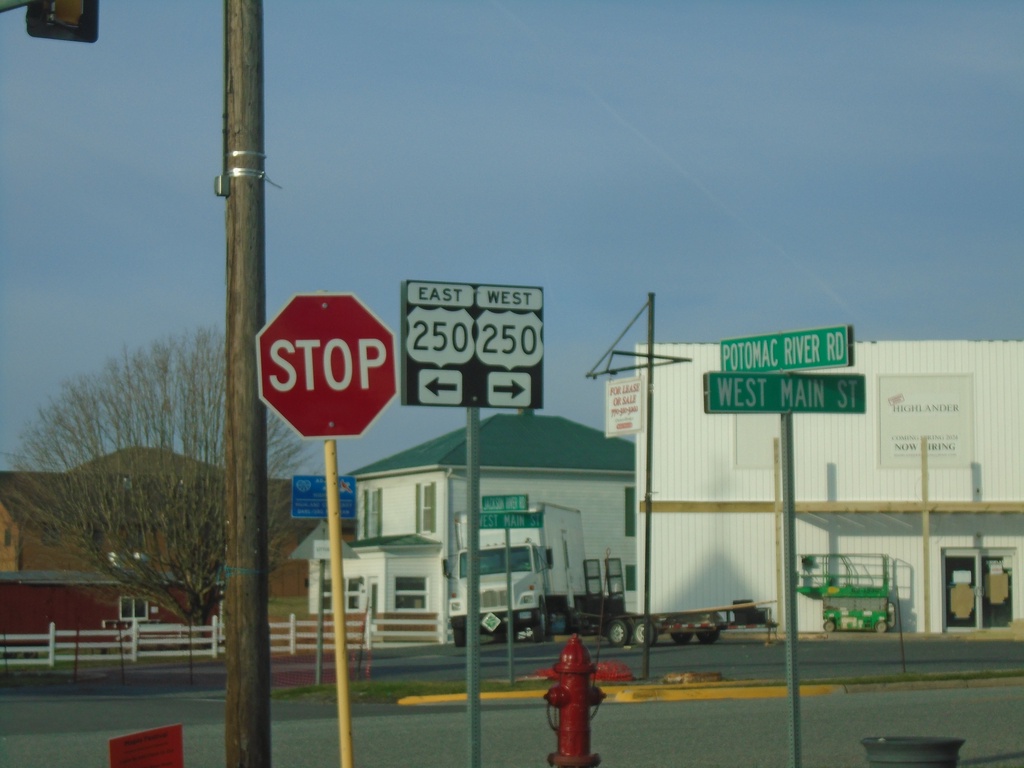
(247, 716)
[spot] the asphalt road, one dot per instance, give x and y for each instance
(48, 730)
(735, 657)
(69, 726)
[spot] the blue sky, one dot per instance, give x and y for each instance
(758, 166)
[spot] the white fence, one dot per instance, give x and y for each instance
(130, 642)
(294, 636)
(136, 641)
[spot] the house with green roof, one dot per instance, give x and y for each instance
(410, 506)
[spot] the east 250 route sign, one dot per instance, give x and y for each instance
(476, 346)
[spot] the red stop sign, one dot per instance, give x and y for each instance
(326, 365)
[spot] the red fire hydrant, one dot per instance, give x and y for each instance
(572, 698)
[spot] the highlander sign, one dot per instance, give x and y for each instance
(937, 408)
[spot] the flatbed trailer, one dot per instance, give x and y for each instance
(706, 624)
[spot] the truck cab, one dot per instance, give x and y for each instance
(526, 565)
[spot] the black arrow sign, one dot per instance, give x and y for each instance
(436, 387)
(515, 389)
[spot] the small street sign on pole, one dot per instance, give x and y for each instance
(783, 393)
(830, 347)
(490, 521)
(512, 503)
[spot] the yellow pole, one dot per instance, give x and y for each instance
(338, 603)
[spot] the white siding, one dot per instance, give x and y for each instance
(709, 558)
(696, 561)
(695, 452)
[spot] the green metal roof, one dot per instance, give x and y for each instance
(518, 441)
(399, 540)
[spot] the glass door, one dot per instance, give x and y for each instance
(961, 579)
(996, 598)
(978, 588)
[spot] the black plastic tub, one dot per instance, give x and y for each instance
(921, 751)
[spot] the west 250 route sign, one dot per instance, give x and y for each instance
(475, 346)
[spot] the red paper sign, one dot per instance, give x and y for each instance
(158, 748)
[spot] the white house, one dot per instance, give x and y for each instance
(408, 505)
(949, 518)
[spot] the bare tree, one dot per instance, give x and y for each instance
(127, 468)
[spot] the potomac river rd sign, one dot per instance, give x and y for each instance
(790, 351)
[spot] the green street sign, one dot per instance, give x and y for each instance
(783, 393)
(500, 520)
(513, 503)
(790, 351)
(511, 511)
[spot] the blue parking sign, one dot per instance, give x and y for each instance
(309, 497)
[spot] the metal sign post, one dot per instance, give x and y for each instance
(505, 513)
(473, 583)
(756, 378)
(651, 360)
(473, 346)
(789, 563)
(510, 632)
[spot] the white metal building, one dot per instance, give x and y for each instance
(951, 520)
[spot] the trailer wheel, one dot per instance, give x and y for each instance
(643, 633)
(706, 638)
(682, 638)
(619, 631)
(829, 625)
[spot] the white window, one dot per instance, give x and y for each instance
(133, 609)
(373, 513)
(355, 595)
(426, 508)
(410, 593)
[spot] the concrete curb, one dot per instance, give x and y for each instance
(660, 693)
(931, 685)
(638, 694)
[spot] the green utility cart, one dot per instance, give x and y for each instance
(854, 590)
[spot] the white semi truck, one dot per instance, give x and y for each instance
(554, 588)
